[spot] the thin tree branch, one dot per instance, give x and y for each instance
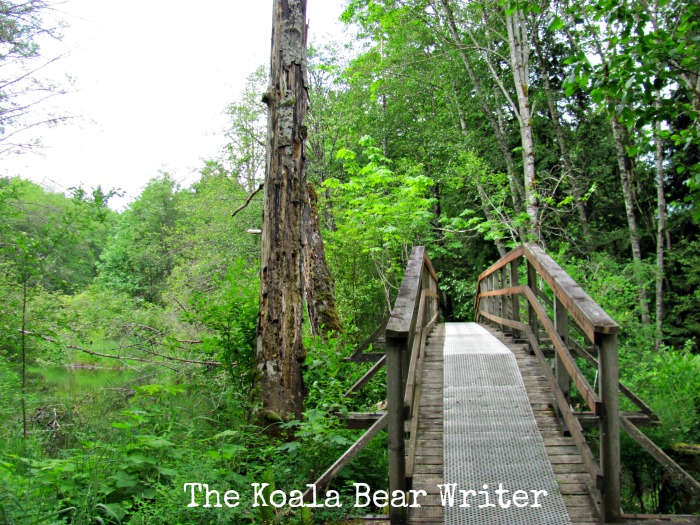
(249, 199)
(112, 356)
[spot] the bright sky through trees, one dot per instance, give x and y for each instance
(152, 78)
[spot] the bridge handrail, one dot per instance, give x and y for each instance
(414, 314)
(498, 284)
(498, 300)
(590, 317)
(404, 311)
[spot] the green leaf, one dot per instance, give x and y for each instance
(291, 446)
(125, 480)
(113, 510)
(148, 493)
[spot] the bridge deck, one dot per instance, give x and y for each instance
(498, 428)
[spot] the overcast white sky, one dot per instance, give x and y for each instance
(152, 80)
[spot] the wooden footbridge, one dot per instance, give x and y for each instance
(480, 423)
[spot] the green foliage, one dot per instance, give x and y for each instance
(139, 255)
(683, 296)
(379, 214)
(50, 238)
(670, 382)
(230, 316)
(639, 61)
(246, 132)
(381, 209)
(206, 239)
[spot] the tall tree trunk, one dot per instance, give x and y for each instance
(660, 236)
(661, 241)
(318, 282)
(626, 174)
(485, 205)
(280, 352)
(519, 44)
(624, 163)
(516, 187)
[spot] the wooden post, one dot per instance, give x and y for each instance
(515, 298)
(561, 324)
(433, 302)
(610, 427)
(480, 305)
(504, 301)
(494, 300)
(531, 313)
(395, 347)
(488, 299)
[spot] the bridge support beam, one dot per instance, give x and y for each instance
(610, 427)
(395, 348)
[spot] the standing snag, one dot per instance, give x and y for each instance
(279, 345)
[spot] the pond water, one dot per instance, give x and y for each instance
(62, 381)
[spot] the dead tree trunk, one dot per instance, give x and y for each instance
(318, 283)
(280, 352)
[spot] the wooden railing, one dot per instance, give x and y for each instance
(498, 297)
(405, 335)
(413, 317)
(498, 300)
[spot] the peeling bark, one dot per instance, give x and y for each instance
(280, 352)
(318, 282)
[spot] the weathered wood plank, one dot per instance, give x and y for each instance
(365, 378)
(585, 311)
(371, 340)
(652, 519)
(402, 317)
(428, 463)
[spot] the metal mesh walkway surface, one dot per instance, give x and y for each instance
(496, 469)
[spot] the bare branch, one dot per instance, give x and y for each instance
(118, 357)
(249, 199)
